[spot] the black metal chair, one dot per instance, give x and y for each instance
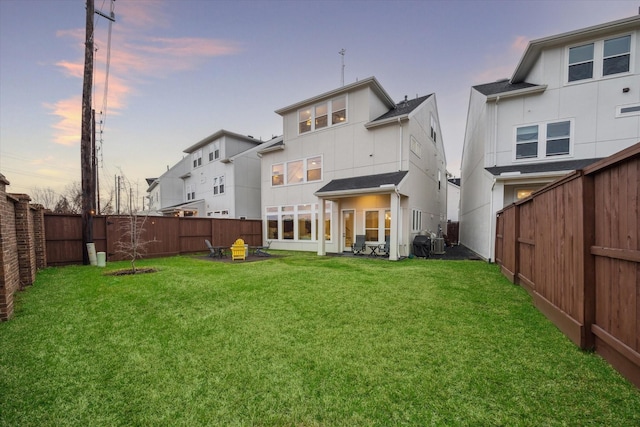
(384, 249)
(360, 245)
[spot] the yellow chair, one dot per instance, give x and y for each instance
(238, 251)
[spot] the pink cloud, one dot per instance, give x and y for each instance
(502, 64)
(134, 58)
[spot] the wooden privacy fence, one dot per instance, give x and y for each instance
(575, 246)
(166, 236)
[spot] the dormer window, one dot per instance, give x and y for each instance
(317, 117)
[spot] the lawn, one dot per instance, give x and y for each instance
(296, 340)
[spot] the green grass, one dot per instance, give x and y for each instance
(297, 340)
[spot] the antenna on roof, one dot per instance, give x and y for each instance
(342, 52)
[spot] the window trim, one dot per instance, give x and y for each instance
(305, 171)
(311, 121)
(636, 112)
(542, 141)
(598, 58)
(306, 212)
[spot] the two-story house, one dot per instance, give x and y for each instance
(573, 98)
(354, 162)
(219, 177)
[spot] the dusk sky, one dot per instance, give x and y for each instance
(182, 70)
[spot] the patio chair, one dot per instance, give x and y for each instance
(384, 249)
(262, 251)
(360, 245)
(214, 251)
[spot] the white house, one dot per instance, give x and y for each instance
(574, 98)
(354, 162)
(453, 199)
(219, 177)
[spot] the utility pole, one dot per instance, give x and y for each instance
(88, 189)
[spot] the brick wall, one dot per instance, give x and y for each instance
(22, 245)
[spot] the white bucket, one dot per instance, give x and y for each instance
(91, 250)
(102, 259)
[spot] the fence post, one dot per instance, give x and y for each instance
(588, 260)
(24, 238)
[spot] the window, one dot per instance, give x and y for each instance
(554, 137)
(616, 55)
(314, 169)
(523, 193)
(339, 109)
(214, 151)
(433, 134)
(628, 110)
(218, 185)
(197, 158)
(387, 224)
(304, 119)
(600, 58)
(558, 136)
(296, 222)
(416, 148)
(321, 116)
(527, 142)
(191, 191)
(416, 220)
(371, 226)
(304, 222)
(297, 171)
(581, 62)
(272, 223)
(277, 174)
(317, 117)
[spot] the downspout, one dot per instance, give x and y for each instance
(398, 222)
(492, 237)
(400, 148)
(495, 133)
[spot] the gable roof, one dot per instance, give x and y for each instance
(535, 47)
(501, 86)
(362, 184)
(403, 108)
(371, 82)
(565, 165)
(219, 135)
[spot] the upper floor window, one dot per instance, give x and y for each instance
(599, 59)
(555, 137)
(197, 158)
(433, 134)
(218, 185)
(297, 171)
(214, 151)
(616, 56)
(317, 117)
(581, 62)
(191, 191)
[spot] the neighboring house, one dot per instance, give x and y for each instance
(574, 98)
(353, 162)
(453, 199)
(219, 177)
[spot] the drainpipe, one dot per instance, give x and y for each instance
(492, 237)
(400, 148)
(495, 133)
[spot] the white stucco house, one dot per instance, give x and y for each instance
(354, 162)
(453, 199)
(573, 98)
(219, 177)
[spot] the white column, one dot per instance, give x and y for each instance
(320, 231)
(395, 221)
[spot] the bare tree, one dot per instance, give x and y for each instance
(44, 196)
(70, 202)
(132, 243)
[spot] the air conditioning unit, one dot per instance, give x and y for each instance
(437, 246)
